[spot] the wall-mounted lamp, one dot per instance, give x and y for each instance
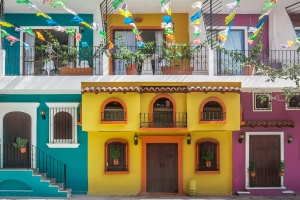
(241, 137)
(188, 138)
(290, 139)
(81, 29)
(42, 113)
(136, 139)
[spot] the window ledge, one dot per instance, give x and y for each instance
(208, 172)
(60, 145)
(265, 188)
(213, 122)
(116, 172)
(113, 122)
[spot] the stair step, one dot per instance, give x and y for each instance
(243, 193)
(289, 193)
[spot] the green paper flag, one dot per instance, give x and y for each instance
(102, 34)
(298, 39)
(169, 31)
(29, 31)
(162, 2)
(135, 31)
(23, 1)
(238, 1)
(58, 4)
(70, 31)
(252, 37)
(3, 33)
(116, 3)
(196, 34)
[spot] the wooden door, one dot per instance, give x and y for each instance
(162, 168)
(265, 153)
(16, 124)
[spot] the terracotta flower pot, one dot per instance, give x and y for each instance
(23, 150)
(131, 69)
(167, 70)
(208, 163)
(116, 161)
(281, 173)
(253, 174)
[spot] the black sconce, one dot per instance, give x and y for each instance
(290, 139)
(188, 138)
(241, 138)
(136, 139)
(42, 113)
(81, 29)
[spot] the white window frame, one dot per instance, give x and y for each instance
(255, 109)
(293, 108)
(72, 143)
(281, 134)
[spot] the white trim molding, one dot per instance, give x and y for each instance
(248, 134)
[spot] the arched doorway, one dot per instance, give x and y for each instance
(16, 124)
(163, 114)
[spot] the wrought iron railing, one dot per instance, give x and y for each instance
(36, 159)
(33, 62)
(212, 116)
(113, 115)
(156, 64)
(163, 120)
(227, 64)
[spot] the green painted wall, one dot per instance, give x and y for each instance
(74, 158)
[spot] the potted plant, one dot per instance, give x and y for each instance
(252, 168)
(133, 57)
(280, 166)
(207, 156)
(21, 143)
(178, 58)
(115, 155)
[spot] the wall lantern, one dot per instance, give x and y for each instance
(290, 139)
(241, 137)
(42, 113)
(136, 139)
(188, 138)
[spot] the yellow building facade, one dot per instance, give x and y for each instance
(160, 133)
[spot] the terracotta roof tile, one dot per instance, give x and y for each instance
(267, 124)
(160, 89)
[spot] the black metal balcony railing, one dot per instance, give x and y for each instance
(213, 116)
(198, 63)
(36, 159)
(113, 115)
(226, 64)
(21, 62)
(163, 120)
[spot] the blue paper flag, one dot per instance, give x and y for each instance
(140, 44)
(26, 46)
(128, 20)
(262, 21)
(51, 22)
(76, 19)
(167, 19)
(84, 44)
(196, 16)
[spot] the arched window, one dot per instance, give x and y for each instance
(207, 156)
(116, 155)
(163, 115)
(62, 126)
(113, 110)
(212, 109)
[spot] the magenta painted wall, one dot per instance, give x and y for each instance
(251, 20)
(291, 151)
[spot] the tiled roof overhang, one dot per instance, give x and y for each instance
(161, 89)
(267, 124)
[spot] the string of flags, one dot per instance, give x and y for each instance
(266, 10)
(167, 23)
(196, 21)
(222, 35)
(291, 43)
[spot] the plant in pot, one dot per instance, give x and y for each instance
(280, 166)
(207, 156)
(178, 58)
(252, 168)
(21, 143)
(115, 155)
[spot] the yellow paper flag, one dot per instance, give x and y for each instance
(6, 24)
(230, 17)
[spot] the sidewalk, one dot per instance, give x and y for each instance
(85, 197)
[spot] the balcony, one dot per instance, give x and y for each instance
(21, 62)
(163, 119)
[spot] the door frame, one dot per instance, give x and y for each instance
(248, 134)
(28, 108)
(162, 139)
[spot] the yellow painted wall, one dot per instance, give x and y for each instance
(209, 184)
(130, 184)
(180, 20)
(112, 184)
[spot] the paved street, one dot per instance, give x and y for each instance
(83, 197)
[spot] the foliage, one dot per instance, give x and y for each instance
(280, 165)
(133, 55)
(115, 153)
(20, 142)
(252, 166)
(207, 155)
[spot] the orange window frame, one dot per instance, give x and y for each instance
(201, 110)
(106, 157)
(197, 161)
(102, 121)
